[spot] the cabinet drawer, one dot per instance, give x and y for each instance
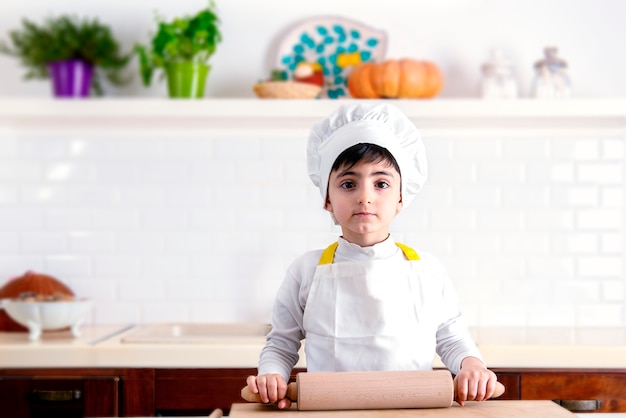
(59, 396)
(105, 392)
(578, 391)
(198, 391)
(511, 383)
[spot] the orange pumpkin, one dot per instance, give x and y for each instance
(397, 79)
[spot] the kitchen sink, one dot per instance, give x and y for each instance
(189, 333)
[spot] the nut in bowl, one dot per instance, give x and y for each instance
(40, 316)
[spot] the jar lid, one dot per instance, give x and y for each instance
(551, 59)
(497, 64)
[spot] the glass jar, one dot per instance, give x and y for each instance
(551, 78)
(498, 81)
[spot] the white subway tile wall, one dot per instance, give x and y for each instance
(202, 227)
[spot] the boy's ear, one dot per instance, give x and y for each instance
(328, 206)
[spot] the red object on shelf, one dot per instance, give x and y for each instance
(316, 78)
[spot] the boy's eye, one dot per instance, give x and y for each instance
(347, 185)
(382, 184)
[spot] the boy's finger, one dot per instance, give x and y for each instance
(251, 382)
(460, 390)
(284, 404)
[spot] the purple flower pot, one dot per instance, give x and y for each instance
(71, 78)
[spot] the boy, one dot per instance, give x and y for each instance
(367, 303)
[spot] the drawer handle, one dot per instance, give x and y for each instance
(579, 405)
(57, 395)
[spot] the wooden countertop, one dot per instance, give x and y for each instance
(510, 409)
(102, 346)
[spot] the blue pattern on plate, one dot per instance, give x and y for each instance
(336, 45)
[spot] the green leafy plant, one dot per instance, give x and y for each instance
(186, 39)
(64, 38)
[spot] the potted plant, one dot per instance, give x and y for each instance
(182, 48)
(74, 53)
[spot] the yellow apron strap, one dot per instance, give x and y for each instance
(409, 252)
(328, 255)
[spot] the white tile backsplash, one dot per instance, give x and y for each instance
(566, 148)
(600, 219)
(44, 242)
(74, 267)
(525, 242)
(612, 197)
(201, 226)
(552, 314)
(574, 196)
(600, 266)
(500, 172)
(612, 243)
(19, 170)
(612, 149)
(553, 172)
(604, 173)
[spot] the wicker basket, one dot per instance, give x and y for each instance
(286, 90)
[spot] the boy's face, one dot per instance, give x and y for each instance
(364, 199)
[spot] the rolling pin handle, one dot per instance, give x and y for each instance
(249, 396)
(500, 389)
(217, 413)
(292, 394)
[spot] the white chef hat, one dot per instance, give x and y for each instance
(358, 123)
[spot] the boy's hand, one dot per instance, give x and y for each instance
(474, 382)
(271, 387)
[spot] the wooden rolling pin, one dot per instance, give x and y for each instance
(217, 413)
(324, 391)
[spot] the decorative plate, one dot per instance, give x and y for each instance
(336, 44)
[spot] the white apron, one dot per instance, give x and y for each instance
(371, 315)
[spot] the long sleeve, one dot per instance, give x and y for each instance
(280, 353)
(454, 341)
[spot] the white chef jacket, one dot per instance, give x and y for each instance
(453, 342)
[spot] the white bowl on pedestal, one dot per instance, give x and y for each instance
(52, 315)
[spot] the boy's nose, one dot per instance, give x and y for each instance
(365, 196)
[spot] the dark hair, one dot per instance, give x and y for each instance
(369, 153)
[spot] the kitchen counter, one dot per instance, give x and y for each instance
(103, 346)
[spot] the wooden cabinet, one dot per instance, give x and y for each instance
(199, 391)
(72, 393)
(581, 390)
(61, 396)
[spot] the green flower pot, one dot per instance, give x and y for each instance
(186, 79)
